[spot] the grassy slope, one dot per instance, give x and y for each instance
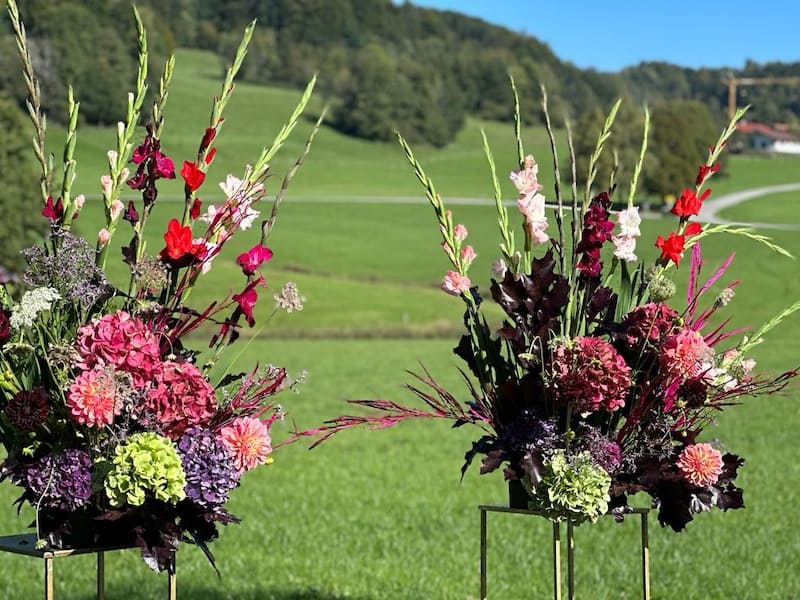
(382, 515)
(781, 208)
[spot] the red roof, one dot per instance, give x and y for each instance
(766, 130)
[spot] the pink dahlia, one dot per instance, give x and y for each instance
(648, 324)
(179, 398)
(249, 441)
(121, 341)
(92, 399)
(701, 464)
(591, 374)
(685, 354)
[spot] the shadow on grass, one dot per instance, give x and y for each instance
(263, 593)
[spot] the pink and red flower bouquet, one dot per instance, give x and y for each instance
(108, 416)
(599, 383)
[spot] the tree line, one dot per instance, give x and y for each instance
(383, 66)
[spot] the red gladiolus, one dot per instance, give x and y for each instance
(194, 212)
(704, 172)
(180, 247)
(208, 137)
(689, 203)
(671, 248)
(210, 156)
(692, 229)
(252, 259)
(193, 176)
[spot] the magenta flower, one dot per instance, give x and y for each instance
(247, 301)
(252, 259)
(121, 341)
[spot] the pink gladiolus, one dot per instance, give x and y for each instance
(252, 259)
(103, 236)
(468, 254)
(107, 184)
(455, 283)
(624, 247)
(115, 209)
(460, 232)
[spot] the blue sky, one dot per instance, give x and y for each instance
(611, 35)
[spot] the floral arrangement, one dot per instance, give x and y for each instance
(593, 387)
(108, 416)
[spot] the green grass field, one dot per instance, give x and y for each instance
(783, 208)
(383, 515)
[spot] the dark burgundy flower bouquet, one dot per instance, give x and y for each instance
(590, 392)
(110, 421)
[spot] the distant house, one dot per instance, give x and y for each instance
(761, 137)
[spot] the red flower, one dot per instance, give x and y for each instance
(689, 203)
(5, 326)
(194, 212)
(671, 248)
(704, 172)
(210, 156)
(692, 229)
(180, 249)
(252, 259)
(208, 137)
(193, 176)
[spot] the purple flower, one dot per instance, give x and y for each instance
(209, 468)
(62, 482)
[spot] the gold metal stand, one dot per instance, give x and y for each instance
(26, 544)
(645, 556)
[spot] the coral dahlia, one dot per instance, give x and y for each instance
(249, 441)
(92, 399)
(701, 464)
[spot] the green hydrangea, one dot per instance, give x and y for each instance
(573, 488)
(150, 463)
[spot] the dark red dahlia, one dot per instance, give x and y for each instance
(28, 409)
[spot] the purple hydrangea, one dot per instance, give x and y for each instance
(209, 468)
(62, 481)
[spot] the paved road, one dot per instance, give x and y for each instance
(712, 206)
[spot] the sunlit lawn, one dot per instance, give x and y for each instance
(374, 515)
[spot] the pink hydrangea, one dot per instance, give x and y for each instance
(180, 398)
(685, 354)
(92, 399)
(648, 324)
(249, 441)
(121, 341)
(701, 464)
(589, 373)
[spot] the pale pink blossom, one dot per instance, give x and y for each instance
(532, 208)
(629, 221)
(207, 256)
(455, 283)
(78, 202)
(112, 158)
(499, 268)
(235, 187)
(103, 237)
(116, 209)
(210, 214)
(449, 252)
(624, 247)
(245, 215)
(525, 179)
(701, 464)
(107, 184)
(460, 233)
(468, 254)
